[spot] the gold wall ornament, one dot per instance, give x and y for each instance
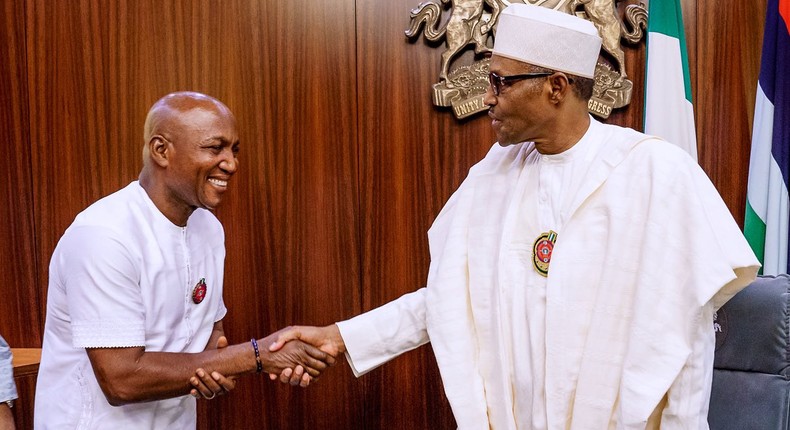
(473, 22)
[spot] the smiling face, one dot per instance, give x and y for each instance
(190, 154)
(203, 158)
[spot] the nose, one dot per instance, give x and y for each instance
(489, 98)
(229, 162)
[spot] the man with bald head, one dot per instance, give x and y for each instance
(135, 304)
(575, 272)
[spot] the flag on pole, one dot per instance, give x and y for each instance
(766, 222)
(668, 110)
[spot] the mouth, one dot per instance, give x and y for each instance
(218, 182)
(494, 119)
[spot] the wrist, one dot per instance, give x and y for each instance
(257, 351)
(337, 339)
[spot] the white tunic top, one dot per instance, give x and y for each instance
(620, 333)
(544, 191)
(123, 275)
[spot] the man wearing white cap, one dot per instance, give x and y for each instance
(575, 272)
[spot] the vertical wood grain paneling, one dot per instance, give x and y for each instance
(85, 114)
(20, 321)
(725, 71)
(292, 241)
(23, 407)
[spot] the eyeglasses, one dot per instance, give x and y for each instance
(498, 82)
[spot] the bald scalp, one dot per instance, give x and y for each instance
(165, 116)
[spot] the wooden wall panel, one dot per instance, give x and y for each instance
(292, 242)
(85, 114)
(725, 61)
(23, 407)
(20, 321)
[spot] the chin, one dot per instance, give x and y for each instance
(505, 139)
(210, 206)
(506, 142)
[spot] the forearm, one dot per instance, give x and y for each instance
(131, 375)
(6, 418)
(379, 335)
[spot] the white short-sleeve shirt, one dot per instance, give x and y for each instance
(123, 275)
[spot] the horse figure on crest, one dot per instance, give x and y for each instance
(470, 22)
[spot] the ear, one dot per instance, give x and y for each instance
(560, 86)
(159, 150)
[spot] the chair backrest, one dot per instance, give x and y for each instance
(751, 375)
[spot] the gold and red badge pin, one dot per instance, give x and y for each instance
(541, 252)
(199, 292)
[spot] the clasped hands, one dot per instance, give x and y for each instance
(296, 355)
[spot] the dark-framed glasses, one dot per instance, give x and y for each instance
(498, 82)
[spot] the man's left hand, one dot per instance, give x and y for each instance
(211, 385)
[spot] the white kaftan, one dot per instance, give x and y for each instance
(620, 333)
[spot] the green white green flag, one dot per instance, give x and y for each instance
(669, 113)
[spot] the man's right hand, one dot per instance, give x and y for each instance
(301, 361)
(327, 339)
(294, 353)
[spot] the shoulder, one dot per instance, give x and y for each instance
(657, 154)
(114, 224)
(663, 168)
(89, 249)
(113, 211)
(642, 144)
(641, 151)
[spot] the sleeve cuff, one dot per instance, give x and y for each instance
(107, 334)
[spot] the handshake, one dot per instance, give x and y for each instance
(295, 355)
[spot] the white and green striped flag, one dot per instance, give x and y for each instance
(669, 113)
(767, 219)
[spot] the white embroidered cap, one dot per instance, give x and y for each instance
(548, 38)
